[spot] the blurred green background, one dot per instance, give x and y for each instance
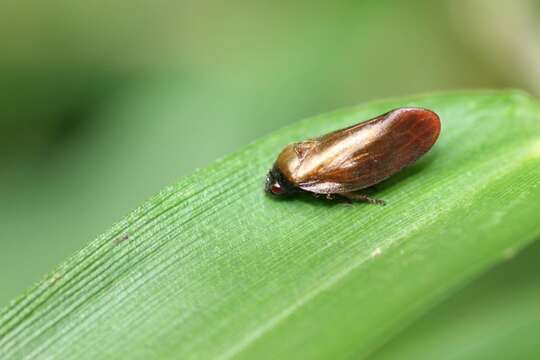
(104, 103)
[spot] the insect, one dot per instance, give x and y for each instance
(345, 161)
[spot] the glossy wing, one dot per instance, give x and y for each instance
(365, 154)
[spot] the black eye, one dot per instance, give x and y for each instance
(276, 189)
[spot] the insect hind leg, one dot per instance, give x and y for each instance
(362, 197)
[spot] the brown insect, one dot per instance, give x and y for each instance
(345, 161)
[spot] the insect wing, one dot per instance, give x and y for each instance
(367, 153)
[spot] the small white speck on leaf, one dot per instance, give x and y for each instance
(376, 252)
(55, 278)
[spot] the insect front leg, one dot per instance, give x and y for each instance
(363, 197)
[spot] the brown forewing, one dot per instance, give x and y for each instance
(367, 153)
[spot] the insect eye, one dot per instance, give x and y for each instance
(276, 189)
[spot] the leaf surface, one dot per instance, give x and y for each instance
(213, 268)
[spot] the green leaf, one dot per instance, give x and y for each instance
(213, 268)
(495, 317)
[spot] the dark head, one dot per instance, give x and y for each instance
(277, 185)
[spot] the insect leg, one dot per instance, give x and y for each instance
(363, 197)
